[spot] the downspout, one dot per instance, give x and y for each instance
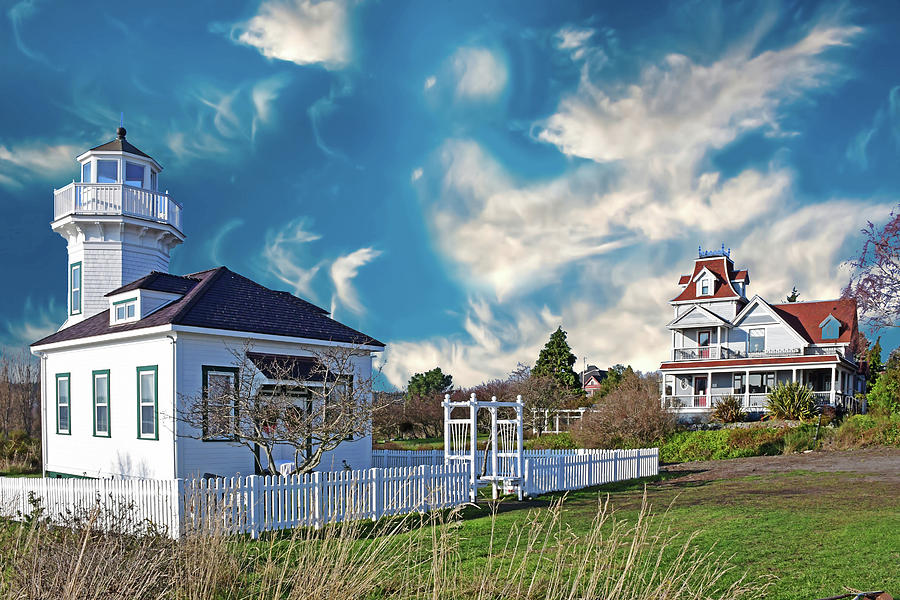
(174, 409)
(43, 357)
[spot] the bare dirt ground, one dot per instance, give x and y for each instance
(882, 464)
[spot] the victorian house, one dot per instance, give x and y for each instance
(724, 343)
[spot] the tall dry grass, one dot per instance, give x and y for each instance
(418, 557)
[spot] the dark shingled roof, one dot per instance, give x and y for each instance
(120, 145)
(221, 299)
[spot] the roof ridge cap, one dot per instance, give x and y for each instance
(196, 293)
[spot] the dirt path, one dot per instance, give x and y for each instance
(882, 464)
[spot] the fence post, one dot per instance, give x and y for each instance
(560, 475)
(615, 454)
(319, 500)
(526, 478)
(252, 499)
(377, 494)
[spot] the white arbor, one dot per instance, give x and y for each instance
(503, 464)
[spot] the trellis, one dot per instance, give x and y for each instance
(503, 464)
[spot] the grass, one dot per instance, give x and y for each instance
(813, 532)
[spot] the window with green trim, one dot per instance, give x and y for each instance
(63, 404)
(75, 288)
(101, 403)
(219, 403)
(148, 410)
(125, 310)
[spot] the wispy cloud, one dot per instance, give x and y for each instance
(305, 32)
(223, 233)
(343, 271)
(480, 73)
(35, 322)
(319, 110)
(27, 161)
(889, 115)
(286, 260)
(18, 15)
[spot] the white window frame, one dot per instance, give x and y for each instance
(750, 334)
(95, 377)
(124, 306)
(67, 377)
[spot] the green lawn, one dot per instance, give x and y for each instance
(814, 533)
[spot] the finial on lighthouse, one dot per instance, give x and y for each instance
(120, 132)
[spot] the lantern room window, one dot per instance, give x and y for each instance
(86, 173)
(134, 174)
(153, 180)
(107, 171)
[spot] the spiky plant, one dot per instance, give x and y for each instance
(792, 400)
(728, 410)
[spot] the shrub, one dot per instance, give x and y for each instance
(551, 441)
(630, 416)
(792, 400)
(728, 410)
(860, 431)
(688, 446)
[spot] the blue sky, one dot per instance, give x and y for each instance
(460, 178)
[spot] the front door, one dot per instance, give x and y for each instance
(703, 338)
(700, 391)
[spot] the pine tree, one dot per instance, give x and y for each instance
(873, 359)
(556, 360)
(794, 295)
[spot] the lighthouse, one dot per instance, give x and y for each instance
(117, 224)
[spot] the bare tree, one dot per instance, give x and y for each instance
(310, 404)
(19, 393)
(875, 281)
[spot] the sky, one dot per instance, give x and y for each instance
(458, 179)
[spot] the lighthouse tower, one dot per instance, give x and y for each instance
(118, 225)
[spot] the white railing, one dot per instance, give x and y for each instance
(708, 401)
(715, 352)
(557, 420)
(115, 199)
(255, 504)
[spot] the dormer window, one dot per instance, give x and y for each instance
(125, 310)
(831, 328)
(704, 287)
(107, 171)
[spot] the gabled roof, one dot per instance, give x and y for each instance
(805, 317)
(221, 299)
(779, 316)
(722, 270)
(714, 319)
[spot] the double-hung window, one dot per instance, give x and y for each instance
(756, 341)
(63, 404)
(148, 413)
(75, 288)
(219, 403)
(101, 403)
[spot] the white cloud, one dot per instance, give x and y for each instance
(649, 178)
(343, 270)
(416, 174)
(304, 32)
(36, 161)
(679, 109)
(264, 93)
(215, 244)
(480, 73)
(18, 14)
(35, 323)
(281, 254)
(430, 81)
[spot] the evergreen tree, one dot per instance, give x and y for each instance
(556, 360)
(873, 359)
(794, 295)
(614, 376)
(429, 383)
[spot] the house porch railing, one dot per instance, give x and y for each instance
(724, 352)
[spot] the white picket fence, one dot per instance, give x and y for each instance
(255, 504)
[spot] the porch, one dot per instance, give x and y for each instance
(699, 392)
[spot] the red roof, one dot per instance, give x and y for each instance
(749, 362)
(805, 318)
(724, 273)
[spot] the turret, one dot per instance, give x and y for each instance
(118, 225)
